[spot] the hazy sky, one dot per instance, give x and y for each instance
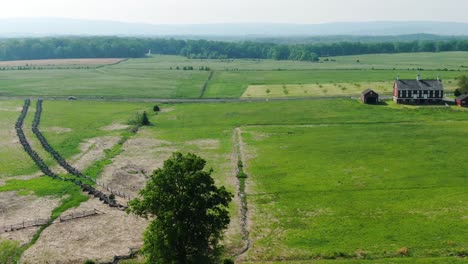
(239, 11)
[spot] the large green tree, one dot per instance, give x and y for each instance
(463, 84)
(189, 212)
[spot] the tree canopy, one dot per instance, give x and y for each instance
(131, 47)
(463, 84)
(190, 212)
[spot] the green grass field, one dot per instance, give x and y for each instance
(404, 61)
(158, 77)
(329, 180)
(332, 179)
(325, 89)
(233, 83)
(14, 161)
(357, 190)
(68, 123)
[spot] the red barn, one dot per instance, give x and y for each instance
(418, 91)
(462, 100)
(369, 97)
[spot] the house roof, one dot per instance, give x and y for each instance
(368, 91)
(462, 97)
(435, 85)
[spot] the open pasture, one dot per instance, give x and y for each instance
(325, 89)
(14, 161)
(357, 190)
(102, 82)
(402, 61)
(334, 178)
(424, 60)
(158, 76)
(236, 83)
(308, 193)
(59, 62)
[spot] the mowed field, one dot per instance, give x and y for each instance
(14, 161)
(164, 77)
(326, 178)
(329, 180)
(58, 62)
(323, 90)
(357, 191)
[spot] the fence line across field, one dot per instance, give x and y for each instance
(41, 222)
(114, 192)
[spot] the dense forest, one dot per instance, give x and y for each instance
(117, 47)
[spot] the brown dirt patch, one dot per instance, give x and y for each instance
(166, 110)
(23, 236)
(11, 109)
(93, 150)
(98, 237)
(140, 157)
(114, 127)
(58, 62)
(15, 208)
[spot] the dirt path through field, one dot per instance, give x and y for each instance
(239, 160)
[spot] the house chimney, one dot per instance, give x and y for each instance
(418, 77)
(438, 77)
(398, 77)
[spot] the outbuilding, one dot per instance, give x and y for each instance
(462, 100)
(369, 96)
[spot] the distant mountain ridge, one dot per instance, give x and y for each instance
(25, 27)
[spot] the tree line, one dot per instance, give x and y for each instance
(128, 47)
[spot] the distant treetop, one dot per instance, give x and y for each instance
(116, 47)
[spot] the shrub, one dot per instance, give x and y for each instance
(404, 251)
(139, 119)
(89, 262)
(228, 261)
(156, 108)
(457, 92)
(242, 175)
